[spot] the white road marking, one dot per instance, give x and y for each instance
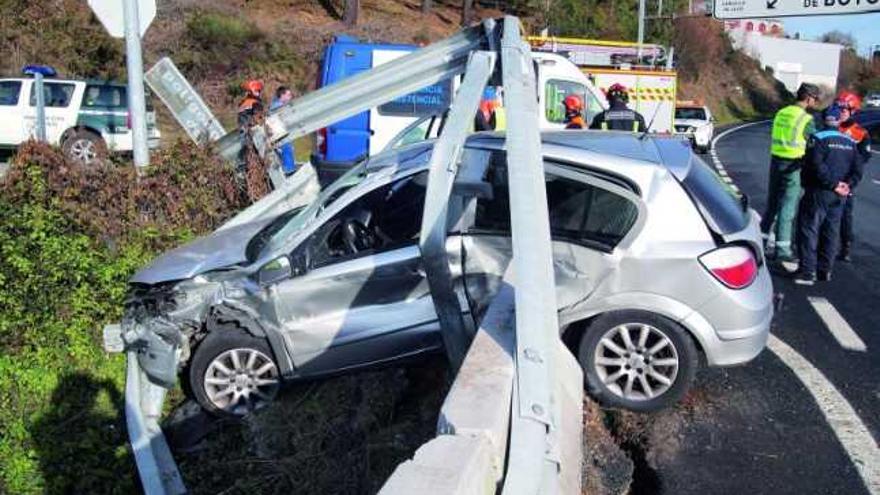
(848, 427)
(855, 438)
(837, 325)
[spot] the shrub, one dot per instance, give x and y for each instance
(70, 238)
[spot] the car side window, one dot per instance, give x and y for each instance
(56, 95)
(579, 212)
(556, 90)
(9, 91)
(383, 219)
(104, 95)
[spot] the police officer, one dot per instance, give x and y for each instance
(830, 171)
(850, 104)
(618, 117)
(791, 127)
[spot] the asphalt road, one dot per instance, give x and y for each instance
(783, 424)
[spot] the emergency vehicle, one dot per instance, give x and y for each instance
(650, 79)
(347, 141)
(86, 118)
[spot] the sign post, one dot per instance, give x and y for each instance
(753, 9)
(184, 102)
(130, 20)
(38, 71)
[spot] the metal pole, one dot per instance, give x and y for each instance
(641, 30)
(40, 129)
(137, 107)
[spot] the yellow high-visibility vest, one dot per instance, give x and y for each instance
(788, 139)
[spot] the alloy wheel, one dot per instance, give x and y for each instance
(241, 380)
(636, 361)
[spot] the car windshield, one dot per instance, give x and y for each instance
(295, 222)
(690, 113)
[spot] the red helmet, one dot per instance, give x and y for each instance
(573, 103)
(617, 91)
(849, 100)
(253, 86)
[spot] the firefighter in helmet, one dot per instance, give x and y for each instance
(574, 112)
(619, 117)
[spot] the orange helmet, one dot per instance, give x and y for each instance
(849, 100)
(573, 103)
(253, 86)
(617, 91)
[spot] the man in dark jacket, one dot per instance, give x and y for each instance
(618, 117)
(851, 103)
(831, 169)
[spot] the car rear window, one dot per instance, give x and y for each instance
(105, 95)
(723, 209)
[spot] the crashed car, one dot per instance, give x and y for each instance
(656, 263)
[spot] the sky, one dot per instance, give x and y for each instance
(864, 27)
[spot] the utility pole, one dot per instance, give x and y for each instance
(466, 8)
(134, 63)
(426, 6)
(641, 30)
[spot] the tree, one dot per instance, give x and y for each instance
(839, 38)
(350, 17)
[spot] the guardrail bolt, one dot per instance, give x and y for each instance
(537, 409)
(532, 355)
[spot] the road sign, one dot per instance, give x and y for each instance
(183, 101)
(751, 9)
(111, 14)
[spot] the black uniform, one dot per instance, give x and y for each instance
(831, 158)
(619, 118)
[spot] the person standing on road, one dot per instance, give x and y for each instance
(792, 126)
(574, 112)
(831, 170)
(283, 95)
(850, 103)
(250, 109)
(619, 117)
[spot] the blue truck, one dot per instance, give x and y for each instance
(348, 141)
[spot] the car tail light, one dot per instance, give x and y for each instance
(128, 119)
(321, 141)
(733, 266)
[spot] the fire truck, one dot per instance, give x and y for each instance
(646, 71)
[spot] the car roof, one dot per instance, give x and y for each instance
(97, 82)
(668, 151)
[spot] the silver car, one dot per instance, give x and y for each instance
(656, 263)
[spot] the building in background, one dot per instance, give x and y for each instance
(793, 61)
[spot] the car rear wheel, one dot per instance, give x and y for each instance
(85, 147)
(637, 360)
(233, 373)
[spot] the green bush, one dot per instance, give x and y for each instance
(69, 240)
(214, 30)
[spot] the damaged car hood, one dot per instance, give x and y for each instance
(221, 249)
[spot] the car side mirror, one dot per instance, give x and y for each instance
(275, 271)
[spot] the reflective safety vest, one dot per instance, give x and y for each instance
(620, 120)
(788, 139)
(500, 119)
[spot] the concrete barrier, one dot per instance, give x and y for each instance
(469, 455)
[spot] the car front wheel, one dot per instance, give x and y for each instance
(233, 373)
(85, 147)
(637, 360)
